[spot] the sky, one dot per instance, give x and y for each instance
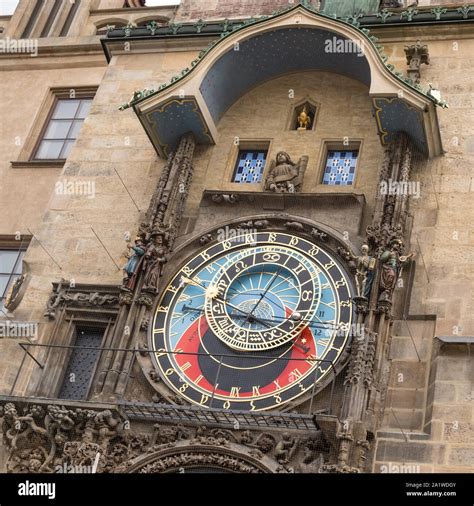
(8, 6)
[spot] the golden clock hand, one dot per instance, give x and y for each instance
(266, 289)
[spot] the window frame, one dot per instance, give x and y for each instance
(46, 125)
(246, 145)
(8, 243)
(339, 145)
(26, 158)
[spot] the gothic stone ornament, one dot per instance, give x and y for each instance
(286, 448)
(252, 304)
(284, 175)
(43, 438)
(417, 55)
(227, 198)
(64, 295)
(126, 297)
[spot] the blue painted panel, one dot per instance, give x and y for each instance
(250, 166)
(276, 53)
(340, 167)
(176, 118)
(394, 115)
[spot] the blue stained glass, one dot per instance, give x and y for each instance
(340, 167)
(250, 166)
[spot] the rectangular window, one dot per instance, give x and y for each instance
(250, 166)
(62, 128)
(82, 363)
(10, 270)
(340, 166)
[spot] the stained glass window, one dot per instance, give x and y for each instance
(340, 167)
(250, 166)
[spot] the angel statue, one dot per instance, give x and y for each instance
(284, 175)
(135, 258)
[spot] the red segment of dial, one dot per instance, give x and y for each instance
(297, 366)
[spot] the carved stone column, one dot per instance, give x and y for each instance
(368, 370)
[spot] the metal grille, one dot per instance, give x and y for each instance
(216, 417)
(82, 362)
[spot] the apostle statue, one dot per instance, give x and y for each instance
(284, 175)
(392, 264)
(135, 259)
(155, 257)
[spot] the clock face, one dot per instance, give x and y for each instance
(253, 322)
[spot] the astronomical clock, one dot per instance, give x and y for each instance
(253, 322)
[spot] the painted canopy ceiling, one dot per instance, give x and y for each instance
(295, 40)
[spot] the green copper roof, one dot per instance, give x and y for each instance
(231, 28)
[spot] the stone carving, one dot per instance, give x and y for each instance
(318, 235)
(294, 226)
(417, 55)
(199, 459)
(205, 239)
(145, 300)
(261, 224)
(284, 175)
(360, 369)
(126, 297)
(257, 224)
(285, 448)
(41, 438)
(265, 442)
(165, 434)
(313, 450)
(145, 323)
(60, 295)
(230, 198)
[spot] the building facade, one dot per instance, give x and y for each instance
(237, 237)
